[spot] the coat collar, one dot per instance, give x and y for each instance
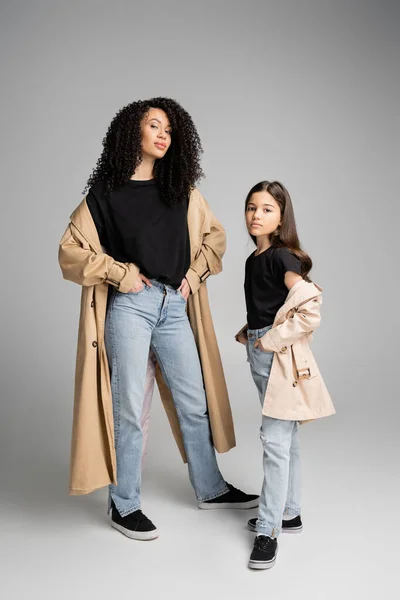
(301, 292)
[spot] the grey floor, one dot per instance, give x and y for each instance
(56, 546)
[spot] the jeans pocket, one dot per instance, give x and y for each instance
(181, 296)
(139, 291)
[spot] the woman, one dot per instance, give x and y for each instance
(162, 242)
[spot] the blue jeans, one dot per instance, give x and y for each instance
(280, 492)
(156, 317)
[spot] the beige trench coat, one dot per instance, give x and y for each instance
(82, 260)
(295, 390)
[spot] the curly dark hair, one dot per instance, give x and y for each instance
(176, 173)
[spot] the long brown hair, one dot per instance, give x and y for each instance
(285, 236)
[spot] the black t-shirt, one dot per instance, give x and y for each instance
(136, 225)
(264, 284)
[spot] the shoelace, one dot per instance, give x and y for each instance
(262, 542)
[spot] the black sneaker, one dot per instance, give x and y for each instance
(233, 499)
(290, 526)
(264, 552)
(135, 525)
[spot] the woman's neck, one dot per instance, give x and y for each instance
(144, 171)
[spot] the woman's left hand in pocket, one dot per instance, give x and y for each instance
(184, 288)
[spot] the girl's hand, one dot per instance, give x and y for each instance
(258, 344)
(138, 285)
(184, 288)
(241, 338)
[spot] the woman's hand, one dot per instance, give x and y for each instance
(138, 285)
(184, 288)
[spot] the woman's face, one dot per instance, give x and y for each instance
(156, 134)
(263, 214)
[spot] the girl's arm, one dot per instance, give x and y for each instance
(300, 321)
(209, 261)
(82, 265)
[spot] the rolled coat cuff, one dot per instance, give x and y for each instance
(196, 280)
(123, 276)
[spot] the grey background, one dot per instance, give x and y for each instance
(306, 92)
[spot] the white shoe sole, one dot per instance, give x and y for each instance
(254, 564)
(261, 565)
(232, 505)
(291, 530)
(143, 536)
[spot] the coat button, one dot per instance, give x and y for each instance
(284, 349)
(294, 383)
(94, 344)
(92, 303)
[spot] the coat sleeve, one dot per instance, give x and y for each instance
(82, 265)
(300, 321)
(209, 261)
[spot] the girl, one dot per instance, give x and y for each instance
(283, 309)
(142, 244)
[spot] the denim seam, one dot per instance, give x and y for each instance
(116, 411)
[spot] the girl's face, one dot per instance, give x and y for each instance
(156, 134)
(263, 214)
